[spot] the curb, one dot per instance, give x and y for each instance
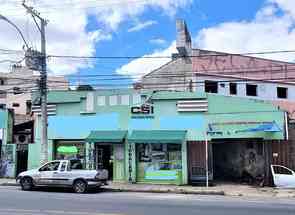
(197, 192)
(9, 184)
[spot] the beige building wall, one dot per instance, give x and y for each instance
(16, 87)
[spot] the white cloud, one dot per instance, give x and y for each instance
(114, 15)
(66, 32)
(142, 25)
(142, 66)
(271, 29)
(158, 41)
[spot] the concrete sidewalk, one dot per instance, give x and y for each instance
(220, 189)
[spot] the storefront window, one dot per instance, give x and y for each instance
(73, 151)
(159, 161)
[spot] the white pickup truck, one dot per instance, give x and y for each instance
(63, 173)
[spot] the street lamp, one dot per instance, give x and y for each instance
(18, 30)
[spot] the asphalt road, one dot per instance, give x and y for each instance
(15, 201)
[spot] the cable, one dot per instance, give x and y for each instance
(104, 5)
(161, 57)
(11, 50)
(160, 84)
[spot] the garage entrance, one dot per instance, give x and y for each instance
(238, 161)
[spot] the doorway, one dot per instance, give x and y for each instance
(104, 158)
(22, 158)
(240, 161)
(197, 163)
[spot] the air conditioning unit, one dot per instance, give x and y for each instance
(22, 138)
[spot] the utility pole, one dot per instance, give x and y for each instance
(43, 81)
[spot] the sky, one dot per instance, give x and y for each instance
(143, 28)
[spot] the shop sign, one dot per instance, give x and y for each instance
(143, 111)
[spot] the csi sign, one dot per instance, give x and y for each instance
(144, 109)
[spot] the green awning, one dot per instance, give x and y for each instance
(67, 149)
(106, 136)
(157, 136)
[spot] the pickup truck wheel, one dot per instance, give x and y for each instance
(26, 183)
(80, 186)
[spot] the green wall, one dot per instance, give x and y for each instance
(221, 109)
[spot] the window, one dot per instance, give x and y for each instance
(89, 102)
(101, 100)
(113, 100)
(2, 81)
(28, 107)
(76, 164)
(78, 157)
(157, 157)
(15, 105)
(282, 92)
(282, 170)
(17, 90)
(233, 88)
(63, 166)
(211, 86)
(3, 94)
(124, 99)
(251, 90)
(53, 166)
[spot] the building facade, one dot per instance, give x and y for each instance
(7, 149)
(159, 137)
(199, 70)
(16, 87)
(246, 76)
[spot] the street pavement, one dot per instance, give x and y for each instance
(57, 202)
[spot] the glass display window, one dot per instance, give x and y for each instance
(159, 161)
(78, 155)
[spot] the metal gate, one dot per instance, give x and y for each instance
(197, 161)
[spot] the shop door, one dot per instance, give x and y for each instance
(197, 162)
(22, 158)
(104, 158)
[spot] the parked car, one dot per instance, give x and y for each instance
(63, 173)
(283, 177)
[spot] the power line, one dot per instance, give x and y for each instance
(45, 9)
(11, 50)
(162, 84)
(160, 57)
(163, 57)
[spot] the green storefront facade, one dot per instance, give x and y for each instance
(142, 136)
